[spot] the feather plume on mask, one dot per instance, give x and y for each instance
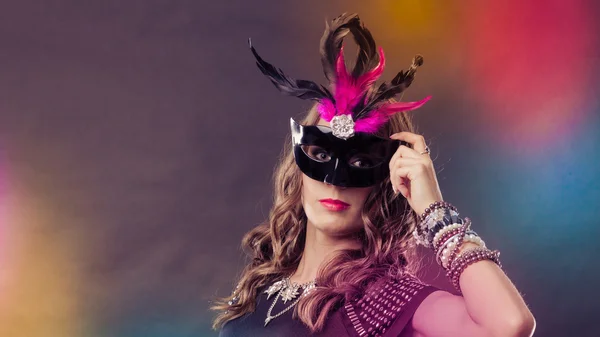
(352, 93)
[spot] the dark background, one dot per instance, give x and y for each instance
(138, 138)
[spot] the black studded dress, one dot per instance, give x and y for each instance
(384, 310)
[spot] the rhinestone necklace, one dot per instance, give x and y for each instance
(288, 292)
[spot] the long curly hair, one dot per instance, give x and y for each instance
(275, 246)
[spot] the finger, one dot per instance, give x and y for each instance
(401, 180)
(404, 161)
(398, 175)
(411, 171)
(417, 141)
(405, 151)
(404, 190)
(405, 157)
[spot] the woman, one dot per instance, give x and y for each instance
(354, 193)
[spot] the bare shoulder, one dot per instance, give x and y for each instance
(444, 314)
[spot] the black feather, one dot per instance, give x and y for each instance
(300, 88)
(367, 58)
(385, 92)
(331, 42)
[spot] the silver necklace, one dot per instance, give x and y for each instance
(288, 291)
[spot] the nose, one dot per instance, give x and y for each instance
(338, 175)
(340, 187)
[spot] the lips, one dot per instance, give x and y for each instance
(334, 204)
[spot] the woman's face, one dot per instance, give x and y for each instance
(330, 217)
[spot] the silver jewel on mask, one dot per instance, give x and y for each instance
(342, 126)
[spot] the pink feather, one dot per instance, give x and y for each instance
(381, 115)
(344, 91)
(366, 80)
(349, 90)
(326, 109)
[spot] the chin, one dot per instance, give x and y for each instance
(334, 226)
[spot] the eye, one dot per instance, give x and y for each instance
(316, 153)
(363, 161)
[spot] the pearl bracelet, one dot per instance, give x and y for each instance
(443, 253)
(434, 206)
(461, 235)
(443, 234)
(467, 258)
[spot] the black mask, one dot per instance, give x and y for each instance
(359, 161)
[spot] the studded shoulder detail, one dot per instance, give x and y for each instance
(385, 307)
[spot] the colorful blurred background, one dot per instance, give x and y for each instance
(137, 140)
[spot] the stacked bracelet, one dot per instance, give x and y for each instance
(443, 252)
(434, 206)
(458, 242)
(436, 224)
(467, 258)
(440, 228)
(444, 234)
(435, 217)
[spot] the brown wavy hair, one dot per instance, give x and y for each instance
(276, 245)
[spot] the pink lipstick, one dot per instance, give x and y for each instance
(334, 204)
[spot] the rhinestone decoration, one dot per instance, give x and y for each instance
(236, 297)
(342, 126)
(374, 313)
(287, 291)
(275, 287)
